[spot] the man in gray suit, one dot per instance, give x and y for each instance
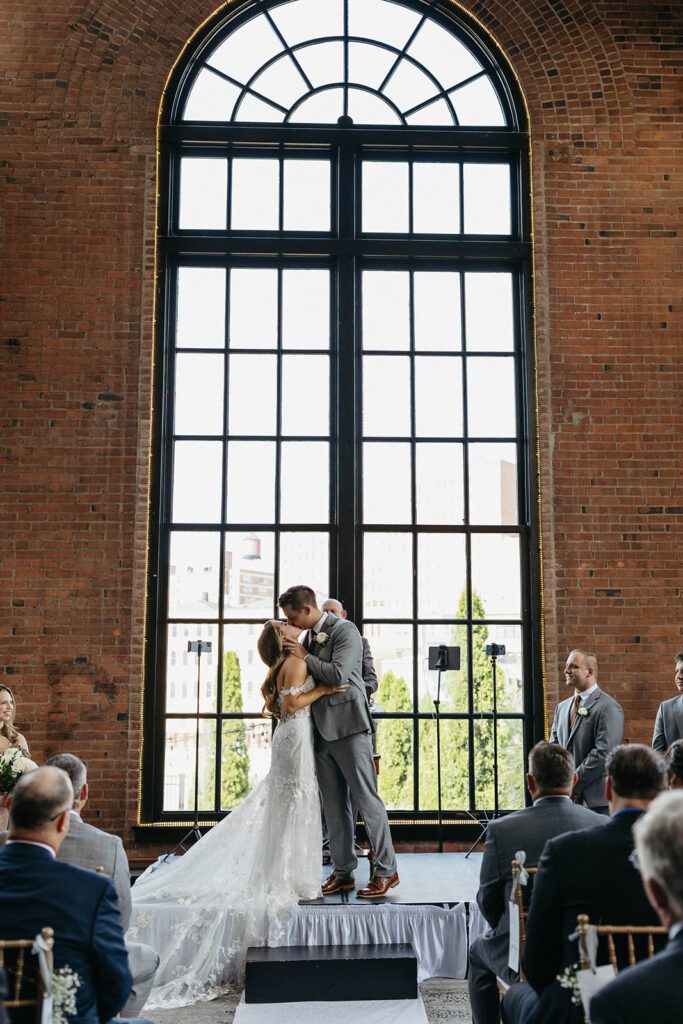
(589, 724)
(90, 847)
(669, 721)
(550, 780)
(333, 653)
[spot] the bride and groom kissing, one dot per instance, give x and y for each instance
(240, 885)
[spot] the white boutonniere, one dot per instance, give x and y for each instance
(583, 712)
(321, 638)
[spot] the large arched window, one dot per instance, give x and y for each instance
(342, 390)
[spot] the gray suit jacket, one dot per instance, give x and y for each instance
(336, 662)
(90, 847)
(669, 723)
(369, 672)
(590, 741)
(526, 830)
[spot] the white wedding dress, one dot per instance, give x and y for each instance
(238, 886)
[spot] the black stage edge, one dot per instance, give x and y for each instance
(304, 974)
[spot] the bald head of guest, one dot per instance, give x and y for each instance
(335, 607)
(39, 811)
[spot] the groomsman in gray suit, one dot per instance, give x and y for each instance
(90, 847)
(589, 724)
(333, 653)
(335, 607)
(669, 721)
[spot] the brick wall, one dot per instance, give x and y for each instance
(80, 87)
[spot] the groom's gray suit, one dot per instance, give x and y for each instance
(343, 749)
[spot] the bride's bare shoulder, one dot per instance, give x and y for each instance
(292, 673)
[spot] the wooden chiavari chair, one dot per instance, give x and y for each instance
(13, 958)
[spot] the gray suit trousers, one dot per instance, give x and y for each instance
(346, 769)
(143, 962)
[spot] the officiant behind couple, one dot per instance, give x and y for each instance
(240, 885)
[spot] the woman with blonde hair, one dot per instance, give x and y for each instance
(240, 885)
(9, 735)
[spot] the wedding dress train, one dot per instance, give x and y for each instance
(238, 886)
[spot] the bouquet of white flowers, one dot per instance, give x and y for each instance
(65, 982)
(13, 764)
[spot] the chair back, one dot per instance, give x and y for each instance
(13, 959)
(522, 904)
(634, 951)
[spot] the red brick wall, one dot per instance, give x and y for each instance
(80, 86)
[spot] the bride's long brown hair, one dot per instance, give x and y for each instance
(270, 649)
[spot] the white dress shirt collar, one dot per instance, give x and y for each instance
(319, 625)
(675, 929)
(557, 796)
(30, 842)
(586, 693)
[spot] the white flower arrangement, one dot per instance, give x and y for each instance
(13, 764)
(569, 980)
(65, 984)
(321, 638)
(583, 712)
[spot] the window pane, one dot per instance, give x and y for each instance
(200, 318)
(437, 311)
(253, 308)
(199, 394)
(395, 747)
(255, 199)
(235, 759)
(307, 195)
(439, 484)
(391, 647)
(249, 577)
(386, 396)
(243, 673)
(454, 692)
(305, 482)
(281, 82)
(252, 393)
(436, 198)
(437, 112)
(211, 98)
(323, 63)
(441, 575)
(493, 484)
(257, 738)
(487, 199)
(203, 193)
(320, 108)
(246, 49)
(443, 54)
(251, 482)
(368, 108)
(253, 109)
(455, 775)
(509, 670)
(438, 396)
(306, 395)
(510, 762)
(305, 557)
(496, 575)
(387, 575)
(368, 64)
(409, 86)
(197, 474)
(477, 103)
(385, 196)
(179, 764)
(308, 19)
(181, 668)
(194, 575)
(488, 309)
(491, 397)
(386, 483)
(306, 309)
(386, 311)
(390, 22)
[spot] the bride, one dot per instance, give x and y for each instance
(239, 886)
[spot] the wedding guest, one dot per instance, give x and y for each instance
(9, 735)
(653, 989)
(81, 906)
(550, 779)
(90, 847)
(669, 721)
(674, 762)
(589, 724)
(335, 607)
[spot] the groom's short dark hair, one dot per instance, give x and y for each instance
(297, 597)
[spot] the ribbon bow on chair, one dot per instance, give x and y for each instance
(523, 877)
(42, 948)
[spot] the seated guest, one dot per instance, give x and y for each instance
(90, 847)
(550, 780)
(669, 721)
(653, 989)
(80, 906)
(587, 872)
(589, 724)
(674, 762)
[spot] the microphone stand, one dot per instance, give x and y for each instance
(494, 719)
(440, 664)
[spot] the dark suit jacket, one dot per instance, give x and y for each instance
(669, 723)
(369, 671)
(587, 872)
(590, 741)
(648, 992)
(525, 830)
(81, 906)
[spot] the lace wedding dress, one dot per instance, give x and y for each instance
(238, 886)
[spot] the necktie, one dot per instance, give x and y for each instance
(574, 710)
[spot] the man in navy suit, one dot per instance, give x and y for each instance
(653, 989)
(80, 906)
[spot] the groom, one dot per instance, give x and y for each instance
(333, 653)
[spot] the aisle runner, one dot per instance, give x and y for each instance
(375, 1011)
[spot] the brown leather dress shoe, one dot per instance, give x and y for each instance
(335, 883)
(378, 886)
